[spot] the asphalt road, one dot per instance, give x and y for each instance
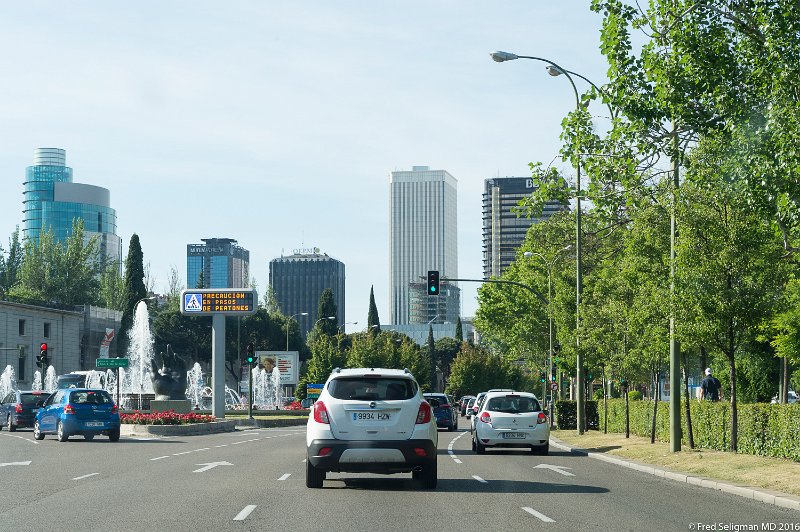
(255, 480)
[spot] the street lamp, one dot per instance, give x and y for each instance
(555, 70)
(342, 326)
(323, 319)
(287, 325)
(550, 263)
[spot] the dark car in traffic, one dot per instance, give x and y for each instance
(75, 411)
(18, 408)
(444, 410)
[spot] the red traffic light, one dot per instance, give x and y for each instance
(43, 348)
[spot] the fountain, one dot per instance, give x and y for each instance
(195, 385)
(135, 379)
(267, 391)
(7, 381)
(50, 379)
(37, 381)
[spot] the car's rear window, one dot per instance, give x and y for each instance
(441, 398)
(90, 397)
(29, 399)
(372, 388)
(513, 404)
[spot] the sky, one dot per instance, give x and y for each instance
(278, 123)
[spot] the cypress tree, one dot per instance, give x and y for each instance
(326, 308)
(459, 331)
(372, 317)
(134, 289)
(432, 356)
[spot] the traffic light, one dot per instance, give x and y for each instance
(542, 377)
(433, 282)
(42, 358)
(589, 376)
(251, 354)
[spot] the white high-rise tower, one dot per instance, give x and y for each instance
(423, 229)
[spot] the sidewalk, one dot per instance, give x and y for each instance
(769, 480)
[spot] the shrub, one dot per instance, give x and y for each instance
(164, 418)
(566, 415)
(634, 395)
(598, 394)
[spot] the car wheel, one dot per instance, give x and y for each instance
(88, 437)
(544, 450)
(479, 447)
(314, 475)
(62, 436)
(10, 425)
(473, 443)
(113, 435)
(429, 475)
(37, 432)
(451, 427)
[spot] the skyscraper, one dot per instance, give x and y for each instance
(51, 201)
(423, 227)
(222, 263)
(299, 280)
(503, 230)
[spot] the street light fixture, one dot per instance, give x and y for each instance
(342, 326)
(323, 319)
(554, 71)
(287, 325)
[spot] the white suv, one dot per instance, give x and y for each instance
(371, 420)
(511, 419)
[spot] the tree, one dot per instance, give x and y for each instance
(133, 286)
(10, 264)
(373, 322)
(431, 348)
(325, 309)
(459, 331)
(112, 287)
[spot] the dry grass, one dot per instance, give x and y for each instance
(755, 471)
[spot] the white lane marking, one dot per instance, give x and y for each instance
(85, 476)
(456, 460)
(158, 458)
(479, 479)
(210, 465)
(203, 449)
(285, 476)
(241, 516)
(221, 445)
(538, 515)
(304, 461)
(244, 441)
(21, 438)
(557, 469)
(450, 449)
(184, 452)
(16, 463)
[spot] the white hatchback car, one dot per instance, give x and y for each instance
(371, 420)
(511, 419)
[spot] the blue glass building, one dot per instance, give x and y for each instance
(223, 264)
(52, 201)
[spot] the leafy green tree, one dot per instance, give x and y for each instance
(373, 321)
(10, 264)
(325, 309)
(446, 350)
(326, 355)
(112, 287)
(134, 288)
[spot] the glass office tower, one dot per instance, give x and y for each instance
(222, 262)
(51, 201)
(423, 237)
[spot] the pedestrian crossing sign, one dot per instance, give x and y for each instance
(193, 302)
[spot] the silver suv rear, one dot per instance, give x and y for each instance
(371, 420)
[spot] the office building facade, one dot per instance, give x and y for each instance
(423, 234)
(504, 231)
(51, 201)
(299, 280)
(222, 263)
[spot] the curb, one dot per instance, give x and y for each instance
(194, 429)
(775, 498)
(269, 423)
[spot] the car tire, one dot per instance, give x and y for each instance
(544, 450)
(473, 444)
(479, 447)
(61, 435)
(429, 475)
(314, 475)
(451, 427)
(113, 435)
(10, 425)
(37, 432)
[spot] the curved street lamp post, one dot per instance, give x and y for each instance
(287, 325)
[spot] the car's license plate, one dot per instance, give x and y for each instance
(371, 416)
(94, 423)
(514, 435)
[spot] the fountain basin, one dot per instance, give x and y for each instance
(179, 406)
(194, 429)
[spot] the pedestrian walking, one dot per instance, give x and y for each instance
(710, 387)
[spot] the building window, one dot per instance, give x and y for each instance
(21, 365)
(47, 330)
(22, 327)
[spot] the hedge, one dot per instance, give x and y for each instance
(566, 415)
(764, 429)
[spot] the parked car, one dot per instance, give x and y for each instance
(73, 411)
(371, 420)
(511, 419)
(444, 410)
(18, 408)
(307, 402)
(791, 397)
(476, 405)
(468, 410)
(462, 404)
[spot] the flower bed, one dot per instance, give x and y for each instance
(165, 418)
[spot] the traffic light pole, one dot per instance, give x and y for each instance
(250, 392)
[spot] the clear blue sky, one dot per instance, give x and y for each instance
(278, 123)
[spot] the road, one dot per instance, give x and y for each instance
(255, 480)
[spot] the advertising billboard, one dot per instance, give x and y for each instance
(287, 362)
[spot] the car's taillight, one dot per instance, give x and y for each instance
(69, 409)
(114, 409)
(321, 413)
(424, 413)
(486, 418)
(542, 418)
(18, 408)
(325, 451)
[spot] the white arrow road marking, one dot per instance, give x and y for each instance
(16, 463)
(85, 476)
(241, 516)
(285, 476)
(210, 465)
(538, 515)
(557, 469)
(479, 479)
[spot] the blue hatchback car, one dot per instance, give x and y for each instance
(444, 410)
(78, 411)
